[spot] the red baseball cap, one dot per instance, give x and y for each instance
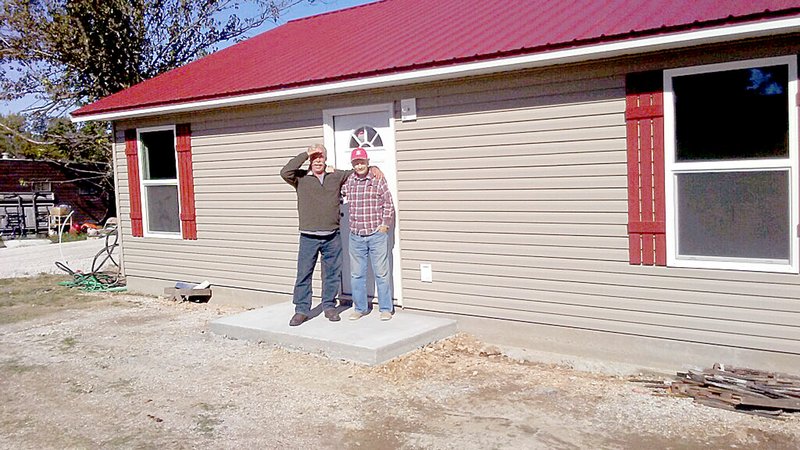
(358, 153)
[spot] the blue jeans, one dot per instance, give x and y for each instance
(374, 247)
(330, 247)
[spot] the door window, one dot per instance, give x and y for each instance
(365, 137)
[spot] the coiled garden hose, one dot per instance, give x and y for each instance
(96, 280)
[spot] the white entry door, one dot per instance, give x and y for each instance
(371, 128)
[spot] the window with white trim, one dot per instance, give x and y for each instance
(159, 168)
(731, 165)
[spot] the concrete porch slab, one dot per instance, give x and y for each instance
(367, 340)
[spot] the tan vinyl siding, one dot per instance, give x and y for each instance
(513, 187)
(246, 216)
(521, 210)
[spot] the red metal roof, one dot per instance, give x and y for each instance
(391, 36)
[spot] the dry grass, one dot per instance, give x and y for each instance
(28, 298)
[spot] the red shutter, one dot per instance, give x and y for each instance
(186, 181)
(644, 115)
(134, 186)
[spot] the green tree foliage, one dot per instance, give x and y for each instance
(82, 152)
(13, 137)
(67, 53)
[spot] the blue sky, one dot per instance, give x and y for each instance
(302, 10)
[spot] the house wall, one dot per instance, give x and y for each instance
(513, 188)
(17, 175)
(246, 217)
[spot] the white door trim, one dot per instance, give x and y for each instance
(328, 116)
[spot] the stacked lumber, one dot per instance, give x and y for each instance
(749, 391)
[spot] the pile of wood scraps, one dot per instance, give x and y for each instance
(767, 394)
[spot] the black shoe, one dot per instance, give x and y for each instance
(332, 315)
(297, 319)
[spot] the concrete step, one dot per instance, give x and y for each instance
(367, 340)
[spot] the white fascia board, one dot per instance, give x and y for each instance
(587, 53)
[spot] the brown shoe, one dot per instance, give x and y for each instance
(332, 315)
(297, 319)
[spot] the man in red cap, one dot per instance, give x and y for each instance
(371, 217)
(318, 199)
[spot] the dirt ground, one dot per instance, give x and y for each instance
(121, 371)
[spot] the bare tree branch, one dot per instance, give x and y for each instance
(66, 53)
(22, 136)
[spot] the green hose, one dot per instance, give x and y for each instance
(93, 283)
(96, 281)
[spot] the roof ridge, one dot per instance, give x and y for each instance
(431, 33)
(315, 16)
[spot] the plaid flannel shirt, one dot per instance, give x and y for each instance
(370, 203)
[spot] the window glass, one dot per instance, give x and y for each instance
(732, 165)
(162, 208)
(366, 137)
(733, 114)
(158, 158)
(734, 214)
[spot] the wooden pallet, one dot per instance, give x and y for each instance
(744, 390)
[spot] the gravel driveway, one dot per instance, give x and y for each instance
(123, 371)
(102, 370)
(32, 260)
